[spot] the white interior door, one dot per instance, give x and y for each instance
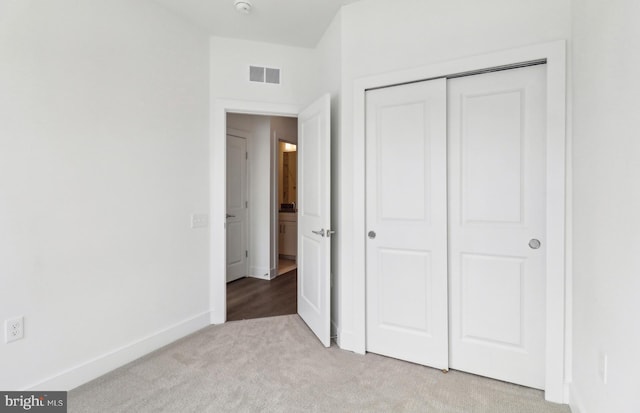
(236, 207)
(406, 250)
(314, 215)
(497, 210)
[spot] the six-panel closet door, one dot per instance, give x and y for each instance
(455, 220)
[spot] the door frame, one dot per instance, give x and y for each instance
(218, 198)
(558, 313)
(276, 212)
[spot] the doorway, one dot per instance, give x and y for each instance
(456, 218)
(287, 190)
(314, 194)
(261, 280)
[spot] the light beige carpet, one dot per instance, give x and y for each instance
(277, 365)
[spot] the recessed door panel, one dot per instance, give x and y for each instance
(310, 283)
(236, 172)
(491, 299)
(405, 277)
(311, 191)
(403, 159)
(235, 249)
(491, 148)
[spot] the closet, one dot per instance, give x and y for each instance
(455, 248)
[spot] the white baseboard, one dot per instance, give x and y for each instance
(575, 402)
(98, 366)
(347, 341)
(263, 273)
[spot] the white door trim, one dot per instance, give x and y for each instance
(556, 311)
(218, 196)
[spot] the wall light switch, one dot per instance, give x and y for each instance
(199, 221)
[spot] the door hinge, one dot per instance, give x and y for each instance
(246, 204)
(246, 254)
(246, 155)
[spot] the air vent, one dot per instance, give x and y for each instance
(261, 74)
(256, 74)
(272, 76)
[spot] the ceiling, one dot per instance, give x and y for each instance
(291, 22)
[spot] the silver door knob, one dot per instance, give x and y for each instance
(230, 216)
(321, 232)
(534, 244)
(371, 234)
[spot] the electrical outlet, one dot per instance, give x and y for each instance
(13, 329)
(603, 367)
(199, 220)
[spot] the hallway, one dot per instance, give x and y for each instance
(249, 298)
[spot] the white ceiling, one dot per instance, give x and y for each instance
(290, 22)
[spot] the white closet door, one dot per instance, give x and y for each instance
(496, 218)
(406, 209)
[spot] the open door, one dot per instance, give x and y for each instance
(314, 217)
(237, 219)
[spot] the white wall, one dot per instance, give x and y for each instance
(230, 61)
(379, 36)
(230, 88)
(103, 158)
(285, 129)
(606, 157)
(259, 181)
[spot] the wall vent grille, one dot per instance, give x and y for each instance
(261, 74)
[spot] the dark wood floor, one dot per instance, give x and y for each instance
(253, 298)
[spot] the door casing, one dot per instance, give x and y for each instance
(217, 198)
(217, 180)
(557, 310)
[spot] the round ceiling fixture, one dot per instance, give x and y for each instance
(243, 6)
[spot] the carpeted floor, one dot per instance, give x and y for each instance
(277, 365)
